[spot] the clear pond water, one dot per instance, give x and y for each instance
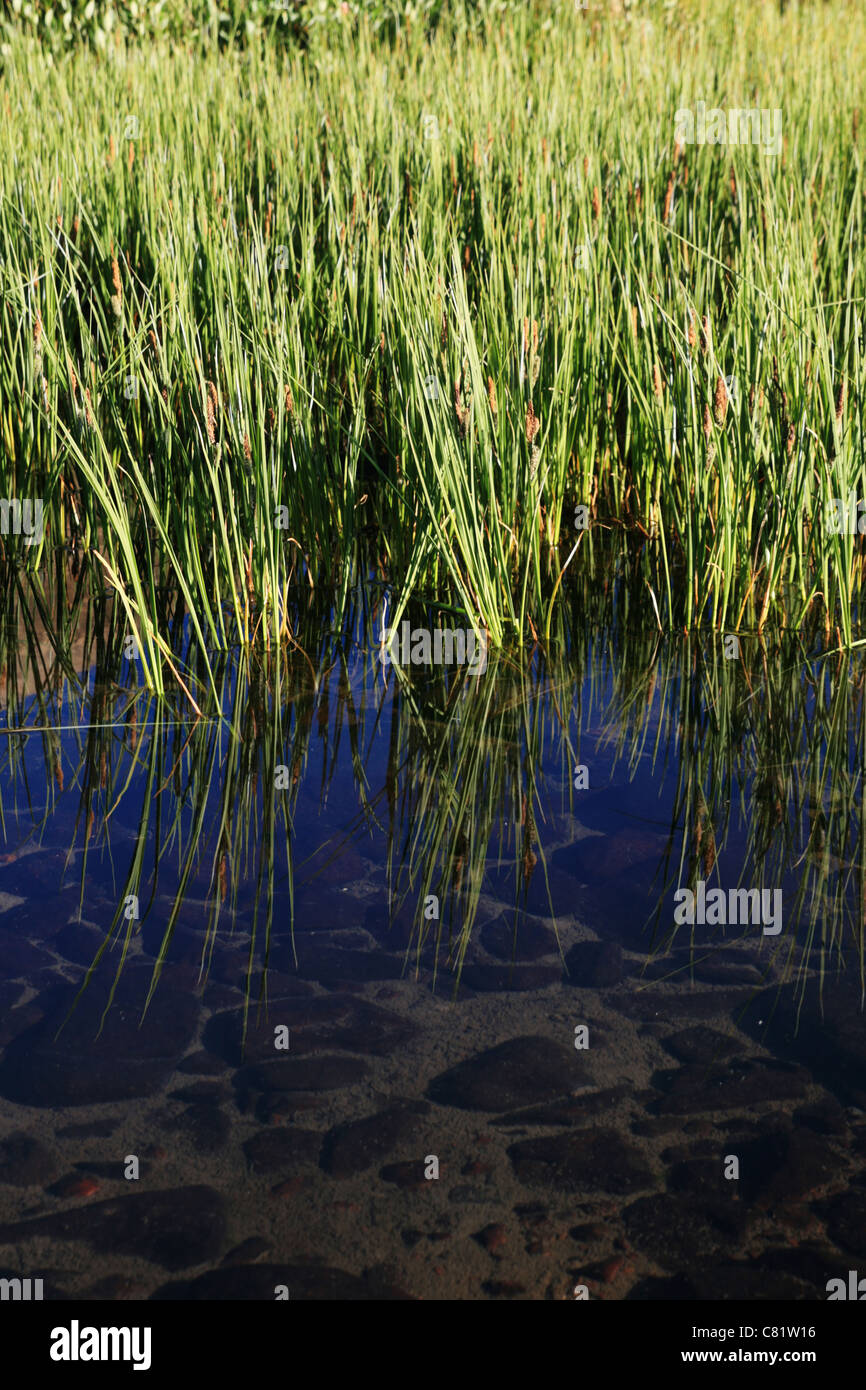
(369, 984)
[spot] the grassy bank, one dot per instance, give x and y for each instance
(397, 299)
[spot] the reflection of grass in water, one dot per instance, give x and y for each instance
(772, 741)
(479, 772)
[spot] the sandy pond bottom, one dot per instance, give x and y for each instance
(557, 1166)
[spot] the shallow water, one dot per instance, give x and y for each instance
(421, 1022)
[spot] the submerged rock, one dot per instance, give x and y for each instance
(26, 1161)
(82, 1065)
(528, 941)
(694, 1090)
(677, 1231)
(824, 1029)
(352, 1147)
(595, 964)
(511, 1075)
(302, 1074)
(509, 978)
(701, 1045)
(315, 1025)
(176, 1229)
(590, 1160)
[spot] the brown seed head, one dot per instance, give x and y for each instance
(720, 401)
(211, 409)
(491, 395)
(596, 203)
(708, 421)
(461, 411)
(533, 424)
(840, 401)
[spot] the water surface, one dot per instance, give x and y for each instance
(376, 974)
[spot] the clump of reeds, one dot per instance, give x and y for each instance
(377, 281)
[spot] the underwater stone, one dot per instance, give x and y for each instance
(359, 1144)
(176, 1229)
(130, 1057)
(590, 1160)
(511, 1075)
